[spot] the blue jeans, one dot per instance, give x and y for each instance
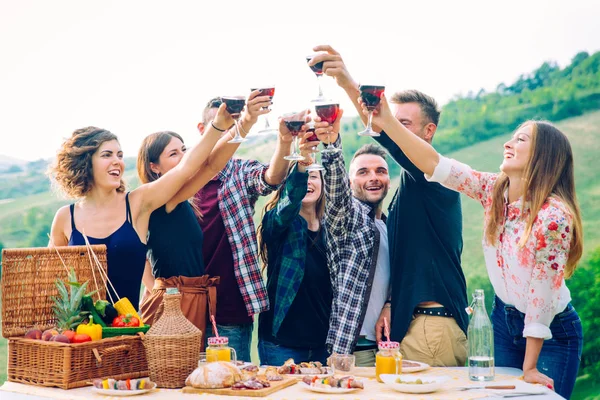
(240, 337)
(273, 354)
(560, 356)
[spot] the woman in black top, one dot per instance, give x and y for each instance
(174, 235)
(299, 282)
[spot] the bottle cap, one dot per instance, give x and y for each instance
(383, 345)
(218, 340)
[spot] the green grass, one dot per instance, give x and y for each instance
(583, 132)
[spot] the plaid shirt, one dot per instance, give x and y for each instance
(285, 234)
(243, 181)
(354, 242)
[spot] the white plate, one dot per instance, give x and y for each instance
(300, 376)
(420, 367)
(327, 389)
(435, 384)
(116, 392)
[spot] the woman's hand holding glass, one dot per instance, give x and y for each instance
(326, 132)
(382, 115)
(223, 119)
(255, 107)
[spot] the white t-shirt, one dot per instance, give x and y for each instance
(381, 284)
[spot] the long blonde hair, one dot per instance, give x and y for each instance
(549, 172)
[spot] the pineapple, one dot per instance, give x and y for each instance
(67, 305)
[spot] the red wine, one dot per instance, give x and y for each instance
(371, 95)
(235, 105)
(317, 68)
(266, 92)
(294, 126)
(314, 137)
(328, 112)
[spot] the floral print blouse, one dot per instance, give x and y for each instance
(529, 277)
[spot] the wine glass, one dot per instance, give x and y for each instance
(294, 122)
(318, 70)
(371, 96)
(266, 91)
(315, 166)
(235, 105)
(328, 111)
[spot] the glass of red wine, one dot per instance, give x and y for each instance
(294, 122)
(266, 91)
(371, 96)
(328, 111)
(318, 70)
(235, 105)
(315, 166)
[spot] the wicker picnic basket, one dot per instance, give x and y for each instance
(172, 344)
(28, 282)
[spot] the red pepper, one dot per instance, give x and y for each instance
(293, 369)
(314, 379)
(128, 383)
(123, 321)
(350, 383)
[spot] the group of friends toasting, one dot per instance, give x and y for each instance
(336, 266)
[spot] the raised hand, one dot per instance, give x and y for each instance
(334, 66)
(255, 107)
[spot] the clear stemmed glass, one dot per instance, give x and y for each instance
(371, 96)
(318, 70)
(294, 122)
(266, 91)
(315, 166)
(328, 111)
(235, 105)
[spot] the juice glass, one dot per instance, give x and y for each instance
(218, 350)
(388, 359)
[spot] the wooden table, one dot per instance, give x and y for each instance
(373, 391)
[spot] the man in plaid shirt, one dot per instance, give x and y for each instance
(357, 238)
(230, 247)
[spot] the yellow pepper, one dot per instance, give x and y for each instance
(93, 330)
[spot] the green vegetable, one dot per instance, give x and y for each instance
(88, 305)
(106, 310)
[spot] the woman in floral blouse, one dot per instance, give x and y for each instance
(533, 240)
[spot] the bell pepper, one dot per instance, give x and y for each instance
(92, 330)
(123, 321)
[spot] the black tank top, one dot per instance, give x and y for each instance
(125, 256)
(175, 242)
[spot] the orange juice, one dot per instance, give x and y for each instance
(388, 359)
(218, 354)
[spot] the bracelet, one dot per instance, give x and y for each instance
(305, 163)
(387, 305)
(241, 125)
(213, 125)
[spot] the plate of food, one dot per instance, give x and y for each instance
(312, 368)
(414, 383)
(331, 384)
(128, 387)
(409, 366)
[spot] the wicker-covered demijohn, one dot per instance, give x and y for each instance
(172, 344)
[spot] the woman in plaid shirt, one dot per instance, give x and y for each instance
(293, 250)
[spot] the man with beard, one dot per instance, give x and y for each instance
(425, 233)
(358, 236)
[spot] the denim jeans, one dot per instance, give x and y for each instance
(273, 354)
(560, 356)
(240, 337)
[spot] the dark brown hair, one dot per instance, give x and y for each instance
(429, 107)
(372, 149)
(152, 147)
(272, 202)
(72, 170)
(549, 172)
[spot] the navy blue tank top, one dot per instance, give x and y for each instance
(125, 256)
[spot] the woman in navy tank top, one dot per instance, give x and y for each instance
(89, 167)
(175, 238)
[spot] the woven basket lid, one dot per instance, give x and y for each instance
(172, 321)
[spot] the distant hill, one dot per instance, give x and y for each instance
(6, 162)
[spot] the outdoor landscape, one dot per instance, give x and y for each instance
(472, 129)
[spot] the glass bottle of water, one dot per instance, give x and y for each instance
(481, 341)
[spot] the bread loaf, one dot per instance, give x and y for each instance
(214, 375)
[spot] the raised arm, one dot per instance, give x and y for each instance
(278, 167)
(223, 151)
(288, 207)
(150, 196)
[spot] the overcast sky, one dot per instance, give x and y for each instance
(136, 67)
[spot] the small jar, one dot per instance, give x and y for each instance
(388, 359)
(219, 350)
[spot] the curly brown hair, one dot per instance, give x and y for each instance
(72, 170)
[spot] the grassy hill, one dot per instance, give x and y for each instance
(583, 132)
